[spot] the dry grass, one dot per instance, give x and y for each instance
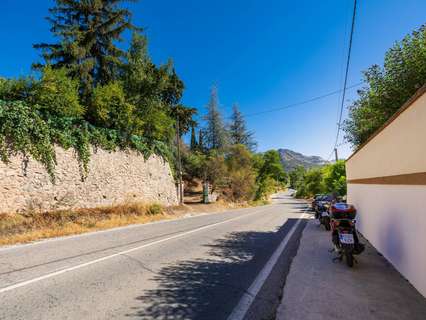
(30, 226)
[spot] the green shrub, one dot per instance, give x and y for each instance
(15, 89)
(154, 209)
(265, 187)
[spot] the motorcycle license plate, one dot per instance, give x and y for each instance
(346, 238)
(324, 214)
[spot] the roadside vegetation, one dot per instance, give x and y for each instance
(223, 154)
(330, 179)
(387, 87)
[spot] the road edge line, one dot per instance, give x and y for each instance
(249, 296)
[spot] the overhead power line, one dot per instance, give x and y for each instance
(301, 102)
(348, 61)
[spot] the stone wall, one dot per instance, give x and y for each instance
(114, 178)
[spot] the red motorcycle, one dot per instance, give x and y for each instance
(343, 232)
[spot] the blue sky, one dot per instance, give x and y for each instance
(260, 54)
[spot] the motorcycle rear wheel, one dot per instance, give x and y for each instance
(349, 259)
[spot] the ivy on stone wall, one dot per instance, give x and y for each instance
(25, 132)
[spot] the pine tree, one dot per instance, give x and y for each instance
(87, 33)
(193, 144)
(215, 132)
(238, 132)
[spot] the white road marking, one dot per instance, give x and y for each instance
(249, 296)
(79, 266)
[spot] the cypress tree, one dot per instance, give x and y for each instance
(193, 144)
(200, 146)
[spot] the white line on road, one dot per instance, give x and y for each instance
(79, 266)
(248, 297)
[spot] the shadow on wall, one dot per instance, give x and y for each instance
(391, 240)
(195, 289)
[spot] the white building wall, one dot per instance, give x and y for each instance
(393, 219)
(387, 185)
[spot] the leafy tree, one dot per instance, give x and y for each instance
(194, 165)
(296, 177)
(185, 116)
(272, 167)
(57, 94)
(215, 132)
(112, 111)
(238, 132)
(139, 73)
(216, 172)
(313, 182)
(143, 83)
(154, 91)
(334, 176)
(329, 179)
(241, 174)
(157, 124)
(258, 161)
(238, 156)
(87, 33)
(388, 87)
(271, 174)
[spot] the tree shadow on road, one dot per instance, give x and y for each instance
(209, 288)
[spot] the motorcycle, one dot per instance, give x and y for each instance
(344, 235)
(323, 215)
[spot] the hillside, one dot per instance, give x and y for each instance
(291, 159)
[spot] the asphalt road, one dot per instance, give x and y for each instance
(200, 267)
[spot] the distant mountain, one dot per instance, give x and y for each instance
(291, 159)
